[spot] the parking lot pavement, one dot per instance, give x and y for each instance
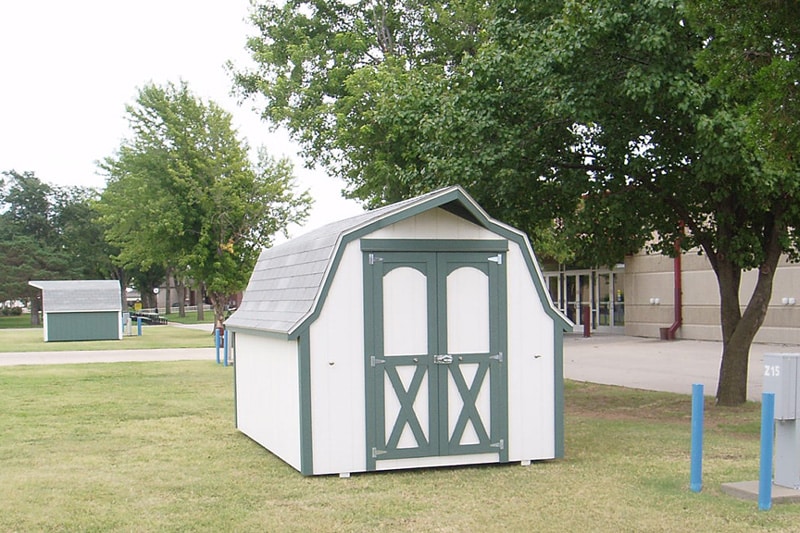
(652, 364)
(106, 356)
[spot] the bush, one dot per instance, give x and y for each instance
(11, 311)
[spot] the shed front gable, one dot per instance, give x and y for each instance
(458, 217)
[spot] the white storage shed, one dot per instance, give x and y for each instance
(416, 335)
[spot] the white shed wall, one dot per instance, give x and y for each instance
(267, 394)
(337, 372)
(531, 366)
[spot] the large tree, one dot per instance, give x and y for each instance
(47, 232)
(605, 116)
(183, 194)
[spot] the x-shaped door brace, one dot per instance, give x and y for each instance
(469, 396)
(407, 415)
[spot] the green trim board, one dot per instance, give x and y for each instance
(304, 390)
(445, 377)
(235, 391)
(558, 378)
(433, 245)
(369, 341)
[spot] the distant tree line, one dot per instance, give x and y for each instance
(183, 200)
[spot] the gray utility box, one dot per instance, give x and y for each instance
(781, 378)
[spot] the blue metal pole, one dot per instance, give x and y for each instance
(225, 337)
(216, 342)
(696, 476)
(139, 325)
(767, 438)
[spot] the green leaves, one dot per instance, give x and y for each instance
(182, 194)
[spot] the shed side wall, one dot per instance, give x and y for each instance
(267, 394)
(531, 389)
(337, 372)
(93, 326)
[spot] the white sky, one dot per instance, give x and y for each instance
(67, 70)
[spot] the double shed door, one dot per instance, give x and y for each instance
(436, 379)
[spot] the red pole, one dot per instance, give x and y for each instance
(587, 321)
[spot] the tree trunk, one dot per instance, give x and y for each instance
(198, 298)
(181, 289)
(36, 309)
(168, 294)
(739, 330)
(218, 304)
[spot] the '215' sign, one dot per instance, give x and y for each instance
(772, 371)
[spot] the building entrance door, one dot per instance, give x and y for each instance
(599, 289)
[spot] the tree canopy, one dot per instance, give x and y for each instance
(593, 125)
(47, 232)
(182, 194)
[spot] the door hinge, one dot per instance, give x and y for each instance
(497, 259)
(376, 452)
(497, 357)
(374, 259)
(374, 361)
(501, 444)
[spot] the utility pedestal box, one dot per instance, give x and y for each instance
(781, 378)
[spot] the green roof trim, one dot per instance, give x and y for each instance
(291, 281)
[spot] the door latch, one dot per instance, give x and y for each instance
(445, 359)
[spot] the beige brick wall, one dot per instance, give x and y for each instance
(651, 276)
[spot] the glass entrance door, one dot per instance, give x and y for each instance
(600, 289)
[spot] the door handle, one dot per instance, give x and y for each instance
(444, 359)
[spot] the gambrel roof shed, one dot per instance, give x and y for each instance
(81, 309)
(374, 321)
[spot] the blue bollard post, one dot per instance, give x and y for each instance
(696, 475)
(225, 338)
(767, 438)
(216, 342)
(139, 325)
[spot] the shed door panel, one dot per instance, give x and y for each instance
(400, 364)
(435, 369)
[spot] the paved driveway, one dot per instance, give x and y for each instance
(651, 364)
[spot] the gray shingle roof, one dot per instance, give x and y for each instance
(288, 278)
(79, 295)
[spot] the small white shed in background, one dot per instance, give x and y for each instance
(81, 310)
(418, 334)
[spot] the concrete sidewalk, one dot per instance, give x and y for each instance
(106, 356)
(652, 364)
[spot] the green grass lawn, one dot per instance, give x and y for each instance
(153, 447)
(21, 321)
(190, 318)
(32, 340)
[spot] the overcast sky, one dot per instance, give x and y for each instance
(69, 68)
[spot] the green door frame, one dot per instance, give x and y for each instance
(435, 260)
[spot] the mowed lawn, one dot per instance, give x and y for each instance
(153, 447)
(32, 340)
